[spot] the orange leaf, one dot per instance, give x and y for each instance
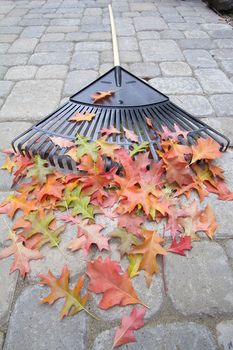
(8, 165)
(60, 289)
(150, 248)
(101, 95)
(205, 149)
(108, 278)
(80, 117)
(22, 254)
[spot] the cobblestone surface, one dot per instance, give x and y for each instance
(49, 49)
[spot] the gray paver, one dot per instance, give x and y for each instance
(21, 73)
(32, 32)
(160, 50)
(225, 334)
(229, 248)
(7, 38)
(177, 85)
(148, 35)
(43, 58)
(224, 43)
(149, 23)
(95, 46)
(199, 59)
(52, 72)
(195, 34)
(211, 275)
(227, 67)
(49, 46)
(9, 130)
(170, 34)
(175, 69)
(214, 81)
(29, 99)
(171, 336)
(4, 47)
(196, 105)
(76, 80)
(127, 43)
(2, 71)
(7, 289)
(197, 43)
(85, 60)
(223, 125)
(5, 88)
(223, 104)
(222, 54)
(43, 320)
(13, 59)
(1, 339)
(140, 6)
(53, 37)
(145, 70)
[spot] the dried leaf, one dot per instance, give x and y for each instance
(62, 142)
(101, 95)
(80, 117)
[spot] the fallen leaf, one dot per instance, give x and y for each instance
(101, 95)
(205, 149)
(109, 131)
(124, 333)
(129, 134)
(8, 165)
(62, 142)
(79, 117)
(179, 247)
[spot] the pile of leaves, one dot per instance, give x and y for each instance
(135, 191)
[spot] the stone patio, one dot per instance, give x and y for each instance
(49, 49)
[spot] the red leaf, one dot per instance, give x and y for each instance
(179, 247)
(124, 333)
(108, 278)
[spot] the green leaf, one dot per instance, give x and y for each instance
(69, 198)
(134, 263)
(39, 170)
(82, 206)
(40, 224)
(127, 240)
(139, 148)
(86, 147)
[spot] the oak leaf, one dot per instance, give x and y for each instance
(124, 333)
(79, 117)
(129, 134)
(39, 170)
(127, 240)
(150, 248)
(101, 95)
(74, 302)
(8, 165)
(205, 149)
(22, 254)
(179, 247)
(62, 142)
(109, 131)
(107, 277)
(134, 264)
(86, 147)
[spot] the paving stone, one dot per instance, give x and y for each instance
(148, 35)
(1, 340)
(54, 260)
(76, 36)
(229, 248)
(170, 336)
(222, 54)
(160, 50)
(13, 59)
(224, 43)
(70, 333)
(62, 29)
(170, 34)
(34, 22)
(31, 100)
(129, 56)
(7, 289)
(91, 20)
(149, 23)
(8, 131)
(7, 38)
(53, 37)
(226, 162)
(227, 66)
(145, 70)
(11, 30)
(95, 46)
(21, 73)
(223, 125)
(32, 32)
(101, 36)
(223, 104)
(44, 58)
(177, 85)
(4, 47)
(175, 69)
(213, 81)
(93, 11)
(196, 105)
(52, 72)
(196, 43)
(225, 334)
(76, 80)
(183, 26)
(91, 28)
(85, 60)
(5, 88)
(147, 295)
(199, 58)
(210, 280)
(127, 43)
(214, 26)
(61, 46)
(105, 67)
(6, 221)
(218, 34)
(195, 34)
(141, 6)
(5, 180)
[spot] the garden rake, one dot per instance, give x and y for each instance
(129, 103)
